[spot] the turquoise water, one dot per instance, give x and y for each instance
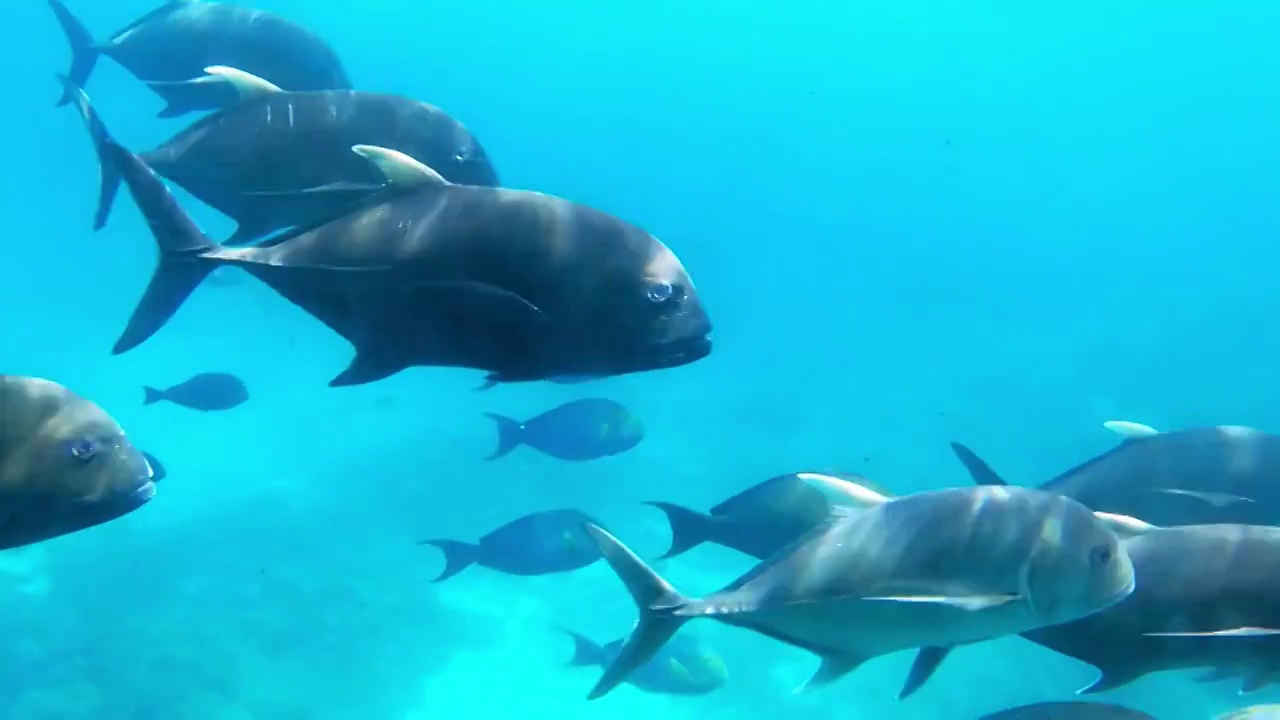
(912, 222)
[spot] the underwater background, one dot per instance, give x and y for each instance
(913, 222)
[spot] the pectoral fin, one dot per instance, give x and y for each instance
(1233, 632)
(246, 84)
(1216, 499)
(399, 168)
(972, 603)
(833, 668)
(841, 492)
(1130, 430)
(922, 668)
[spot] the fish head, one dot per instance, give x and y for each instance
(1078, 565)
(74, 469)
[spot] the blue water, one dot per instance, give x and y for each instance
(912, 222)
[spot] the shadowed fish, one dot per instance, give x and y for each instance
(1224, 474)
(1073, 710)
(540, 543)
(944, 568)
(206, 391)
(587, 429)
(65, 465)
(279, 159)
(169, 48)
(520, 284)
(684, 666)
(758, 521)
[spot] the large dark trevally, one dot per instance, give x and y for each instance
(939, 568)
(1199, 476)
(170, 47)
(65, 465)
(521, 284)
(279, 159)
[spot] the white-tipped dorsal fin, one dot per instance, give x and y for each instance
(843, 492)
(398, 168)
(1124, 525)
(247, 84)
(1130, 430)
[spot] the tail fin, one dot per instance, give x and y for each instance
(151, 395)
(689, 528)
(83, 53)
(656, 600)
(108, 171)
(585, 650)
(182, 246)
(978, 468)
(458, 556)
(509, 435)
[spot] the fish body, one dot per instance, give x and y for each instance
(65, 464)
(684, 666)
(587, 429)
(1073, 710)
(540, 543)
(206, 392)
(946, 567)
(170, 47)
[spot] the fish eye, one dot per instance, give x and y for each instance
(83, 449)
(1100, 555)
(660, 291)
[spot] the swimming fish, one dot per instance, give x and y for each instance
(939, 568)
(587, 429)
(65, 464)
(540, 543)
(279, 159)
(169, 48)
(206, 391)
(684, 666)
(1071, 710)
(522, 285)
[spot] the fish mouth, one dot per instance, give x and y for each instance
(143, 492)
(683, 351)
(1124, 592)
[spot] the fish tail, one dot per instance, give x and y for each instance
(978, 468)
(84, 53)
(184, 250)
(585, 650)
(109, 172)
(458, 556)
(689, 528)
(510, 435)
(151, 395)
(656, 600)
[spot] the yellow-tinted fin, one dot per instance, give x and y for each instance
(398, 168)
(247, 84)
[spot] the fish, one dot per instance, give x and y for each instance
(1198, 476)
(556, 379)
(1255, 712)
(587, 429)
(206, 392)
(280, 159)
(540, 543)
(758, 521)
(65, 464)
(169, 48)
(684, 666)
(1070, 710)
(938, 568)
(519, 284)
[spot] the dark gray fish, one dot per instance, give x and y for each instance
(490, 384)
(587, 429)
(540, 543)
(758, 521)
(206, 391)
(158, 471)
(170, 47)
(520, 284)
(65, 465)
(684, 666)
(1075, 710)
(279, 159)
(947, 567)
(1224, 474)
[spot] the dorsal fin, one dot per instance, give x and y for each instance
(398, 168)
(246, 84)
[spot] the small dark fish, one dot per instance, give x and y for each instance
(684, 666)
(170, 47)
(587, 429)
(758, 521)
(1199, 476)
(1076, 710)
(490, 383)
(65, 465)
(206, 391)
(540, 543)
(941, 568)
(280, 159)
(158, 471)
(431, 274)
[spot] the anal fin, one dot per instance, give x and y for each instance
(922, 668)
